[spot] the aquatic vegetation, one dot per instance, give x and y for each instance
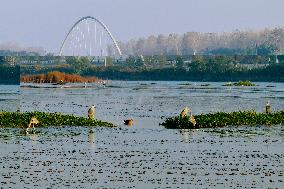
(205, 85)
(57, 77)
(241, 83)
(185, 84)
(222, 119)
(8, 119)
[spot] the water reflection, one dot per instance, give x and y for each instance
(33, 136)
(92, 138)
(186, 134)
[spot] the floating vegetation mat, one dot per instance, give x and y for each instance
(21, 120)
(241, 83)
(222, 119)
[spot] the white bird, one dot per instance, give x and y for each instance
(268, 108)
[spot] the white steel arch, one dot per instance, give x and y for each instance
(96, 20)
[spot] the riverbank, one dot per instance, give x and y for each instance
(21, 120)
(194, 72)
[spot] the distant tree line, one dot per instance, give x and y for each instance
(17, 53)
(209, 69)
(14, 49)
(265, 42)
(9, 74)
(196, 68)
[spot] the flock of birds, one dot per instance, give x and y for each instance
(129, 122)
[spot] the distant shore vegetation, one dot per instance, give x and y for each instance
(187, 68)
(240, 83)
(9, 74)
(171, 68)
(263, 42)
(57, 77)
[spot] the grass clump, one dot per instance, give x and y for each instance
(222, 119)
(21, 120)
(241, 83)
(57, 77)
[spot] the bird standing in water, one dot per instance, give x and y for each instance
(184, 112)
(192, 120)
(268, 108)
(32, 124)
(91, 112)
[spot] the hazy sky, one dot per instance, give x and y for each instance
(45, 22)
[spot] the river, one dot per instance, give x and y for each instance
(9, 98)
(146, 155)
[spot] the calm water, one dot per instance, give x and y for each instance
(9, 97)
(148, 102)
(145, 155)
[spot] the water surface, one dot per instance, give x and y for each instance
(145, 155)
(9, 97)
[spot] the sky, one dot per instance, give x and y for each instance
(45, 22)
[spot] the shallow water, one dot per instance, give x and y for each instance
(145, 155)
(148, 102)
(9, 97)
(81, 157)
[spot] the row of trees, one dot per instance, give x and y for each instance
(202, 68)
(265, 42)
(197, 71)
(14, 49)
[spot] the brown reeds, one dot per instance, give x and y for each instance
(57, 77)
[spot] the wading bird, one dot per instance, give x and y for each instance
(91, 112)
(192, 120)
(268, 108)
(32, 123)
(184, 113)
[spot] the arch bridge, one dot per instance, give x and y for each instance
(78, 38)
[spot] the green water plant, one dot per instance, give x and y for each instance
(21, 120)
(222, 119)
(241, 83)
